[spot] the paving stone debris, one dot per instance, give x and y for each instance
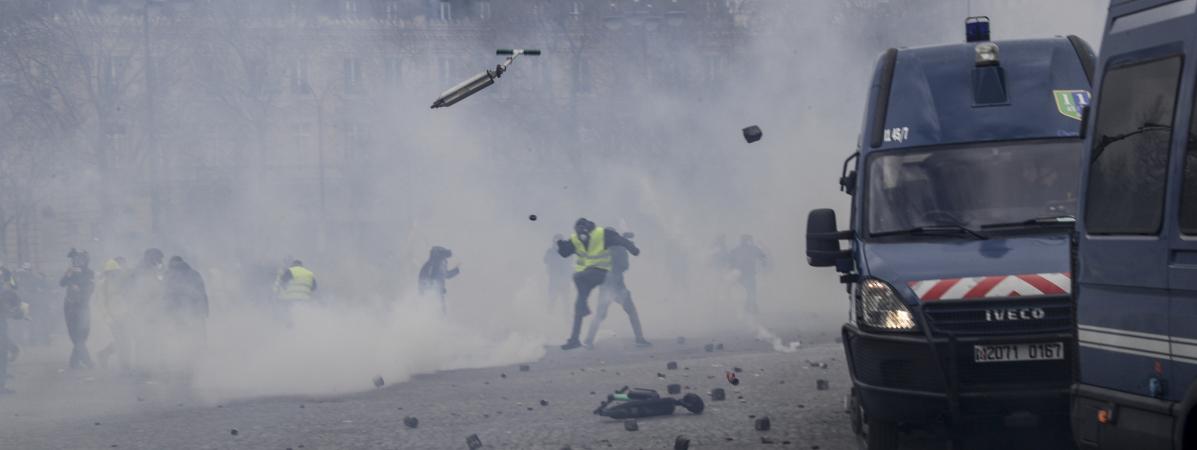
(752, 134)
(762, 424)
(822, 385)
(411, 422)
(718, 394)
(544, 403)
(674, 388)
(474, 442)
(233, 432)
(671, 365)
(681, 443)
(378, 382)
(631, 425)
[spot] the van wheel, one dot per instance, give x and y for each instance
(882, 435)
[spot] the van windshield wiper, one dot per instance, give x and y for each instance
(934, 230)
(1105, 140)
(1049, 221)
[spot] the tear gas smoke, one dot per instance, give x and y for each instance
(649, 155)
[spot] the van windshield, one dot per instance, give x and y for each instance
(973, 187)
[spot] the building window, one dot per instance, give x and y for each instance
(112, 73)
(392, 11)
(353, 75)
(484, 9)
(356, 140)
(1129, 160)
(446, 11)
(255, 75)
(300, 83)
(445, 69)
(393, 71)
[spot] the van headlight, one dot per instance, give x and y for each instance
(878, 306)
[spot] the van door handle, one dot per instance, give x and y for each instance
(1183, 259)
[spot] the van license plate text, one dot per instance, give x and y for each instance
(1018, 352)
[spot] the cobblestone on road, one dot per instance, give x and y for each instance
(502, 405)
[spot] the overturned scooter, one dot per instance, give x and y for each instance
(631, 403)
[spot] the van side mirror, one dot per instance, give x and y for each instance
(848, 176)
(848, 183)
(823, 239)
(1085, 111)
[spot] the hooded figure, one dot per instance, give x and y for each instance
(186, 297)
(186, 309)
(79, 282)
(434, 273)
(748, 259)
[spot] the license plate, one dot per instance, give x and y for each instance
(1044, 351)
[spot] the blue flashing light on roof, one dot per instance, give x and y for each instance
(976, 28)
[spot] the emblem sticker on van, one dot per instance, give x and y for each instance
(1070, 102)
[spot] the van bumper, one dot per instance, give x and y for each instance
(899, 379)
(1139, 422)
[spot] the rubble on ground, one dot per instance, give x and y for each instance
(762, 424)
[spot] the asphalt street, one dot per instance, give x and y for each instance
(549, 406)
(98, 409)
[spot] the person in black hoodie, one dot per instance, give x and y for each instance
(186, 306)
(79, 282)
(434, 273)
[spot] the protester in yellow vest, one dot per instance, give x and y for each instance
(590, 244)
(297, 282)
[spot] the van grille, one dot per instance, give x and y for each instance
(969, 318)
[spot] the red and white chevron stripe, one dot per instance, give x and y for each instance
(997, 286)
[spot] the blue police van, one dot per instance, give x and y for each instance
(964, 191)
(1136, 237)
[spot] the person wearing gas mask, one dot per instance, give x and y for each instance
(591, 244)
(79, 282)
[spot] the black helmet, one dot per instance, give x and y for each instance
(583, 226)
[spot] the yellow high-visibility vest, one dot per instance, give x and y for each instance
(596, 256)
(299, 287)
